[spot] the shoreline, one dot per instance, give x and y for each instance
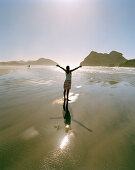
(7, 69)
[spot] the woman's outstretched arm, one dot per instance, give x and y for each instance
(60, 67)
(76, 68)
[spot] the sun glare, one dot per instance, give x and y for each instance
(68, 1)
(64, 142)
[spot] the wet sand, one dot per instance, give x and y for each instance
(4, 70)
(32, 128)
(7, 69)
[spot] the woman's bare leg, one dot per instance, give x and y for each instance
(64, 94)
(67, 94)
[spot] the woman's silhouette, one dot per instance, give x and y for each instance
(67, 83)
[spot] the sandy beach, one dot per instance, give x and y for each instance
(32, 128)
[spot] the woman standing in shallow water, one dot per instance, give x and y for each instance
(67, 83)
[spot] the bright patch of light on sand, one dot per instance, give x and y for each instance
(29, 133)
(73, 97)
(64, 142)
(57, 101)
(70, 94)
(41, 82)
(78, 87)
(60, 101)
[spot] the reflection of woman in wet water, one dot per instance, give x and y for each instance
(67, 117)
(67, 83)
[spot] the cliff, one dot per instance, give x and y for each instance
(128, 63)
(114, 58)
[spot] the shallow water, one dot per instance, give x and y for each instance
(102, 109)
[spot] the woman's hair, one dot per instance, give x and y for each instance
(67, 69)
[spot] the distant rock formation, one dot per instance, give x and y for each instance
(128, 63)
(114, 58)
(41, 61)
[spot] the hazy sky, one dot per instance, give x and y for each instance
(65, 30)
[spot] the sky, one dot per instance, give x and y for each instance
(65, 30)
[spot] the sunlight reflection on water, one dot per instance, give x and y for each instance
(64, 142)
(72, 97)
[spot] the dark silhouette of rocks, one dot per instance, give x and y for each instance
(128, 63)
(114, 58)
(41, 61)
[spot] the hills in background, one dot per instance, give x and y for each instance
(128, 63)
(112, 59)
(103, 59)
(41, 61)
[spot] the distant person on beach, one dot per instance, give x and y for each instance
(67, 83)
